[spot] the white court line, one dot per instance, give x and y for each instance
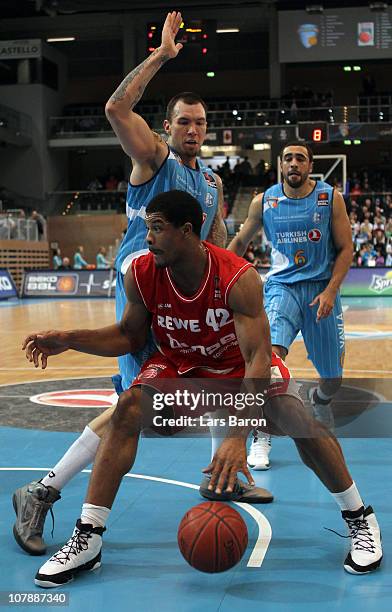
(265, 531)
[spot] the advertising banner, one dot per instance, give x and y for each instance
(72, 283)
(7, 286)
(365, 282)
(368, 282)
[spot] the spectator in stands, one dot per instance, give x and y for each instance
(388, 229)
(367, 228)
(355, 225)
(10, 225)
(237, 172)
(66, 265)
(388, 260)
(379, 238)
(356, 190)
(41, 224)
(378, 226)
(388, 207)
(379, 217)
(226, 165)
(260, 172)
(122, 185)
(380, 259)
(368, 204)
(353, 206)
(57, 259)
(370, 259)
(79, 261)
(102, 262)
(111, 183)
(246, 171)
(95, 185)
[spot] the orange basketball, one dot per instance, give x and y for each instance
(212, 537)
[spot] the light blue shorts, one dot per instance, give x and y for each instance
(288, 312)
(130, 364)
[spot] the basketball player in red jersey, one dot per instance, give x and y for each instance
(204, 305)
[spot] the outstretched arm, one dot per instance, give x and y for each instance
(127, 336)
(252, 331)
(253, 224)
(137, 140)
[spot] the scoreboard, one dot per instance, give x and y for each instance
(198, 37)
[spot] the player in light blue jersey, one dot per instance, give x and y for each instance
(307, 224)
(157, 166)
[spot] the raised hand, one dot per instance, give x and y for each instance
(169, 33)
(44, 344)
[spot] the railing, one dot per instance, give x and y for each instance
(13, 228)
(93, 125)
(87, 201)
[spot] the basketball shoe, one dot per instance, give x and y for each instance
(322, 410)
(81, 553)
(31, 504)
(258, 457)
(242, 492)
(366, 551)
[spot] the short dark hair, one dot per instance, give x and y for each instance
(297, 143)
(188, 97)
(178, 207)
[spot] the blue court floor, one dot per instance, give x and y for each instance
(143, 570)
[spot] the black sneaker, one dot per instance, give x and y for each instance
(81, 553)
(242, 492)
(31, 504)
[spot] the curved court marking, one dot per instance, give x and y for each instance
(36, 381)
(265, 531)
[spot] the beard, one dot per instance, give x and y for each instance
(296, 181)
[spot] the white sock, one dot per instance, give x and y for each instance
(78, 456)
(349, 500)
(218, 432)
(94, 515)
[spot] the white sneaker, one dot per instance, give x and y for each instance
(258, 458)
(322, 411)
(82, 552)
(366, 551)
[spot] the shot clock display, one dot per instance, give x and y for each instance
(313, 131)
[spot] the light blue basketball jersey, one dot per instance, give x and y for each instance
(172, 175)
(300, 233)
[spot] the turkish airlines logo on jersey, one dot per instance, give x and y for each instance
(210, 179)
(77, 398)
(314, 235)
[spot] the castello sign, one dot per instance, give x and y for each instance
(20, 49)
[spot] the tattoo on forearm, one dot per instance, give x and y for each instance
(218, 233)
(148, 70)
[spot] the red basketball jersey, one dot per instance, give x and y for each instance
(193, 331)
